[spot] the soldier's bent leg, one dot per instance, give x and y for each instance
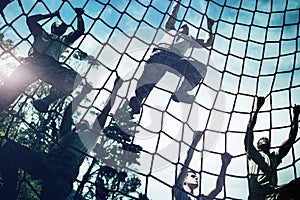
(152, 73)
(17, 83)
(63, 82)
(192, 78)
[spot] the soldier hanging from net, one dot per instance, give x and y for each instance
(59, 167)
(169, 56)
(187, 180)
(43, 62)
(263, 163)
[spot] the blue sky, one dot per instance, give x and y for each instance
(255, 52)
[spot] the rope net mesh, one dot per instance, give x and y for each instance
(255, 52)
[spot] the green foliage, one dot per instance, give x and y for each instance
(26, 190)
(116, 153)
(5, 43)
(80, 55)
(27, 127)
(116, 146)
(143, 197)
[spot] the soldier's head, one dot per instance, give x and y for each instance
(263, 144)
(82, 125)
(58, 28)
(184, 29)
(191, 179)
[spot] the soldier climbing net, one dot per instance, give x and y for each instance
(255, 53)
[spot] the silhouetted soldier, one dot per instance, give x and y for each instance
(263, 163)
(43, 63)
(187, 180)
(169, 54)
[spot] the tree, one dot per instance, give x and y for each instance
(6, 44)
(116, 153)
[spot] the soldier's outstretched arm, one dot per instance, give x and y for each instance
(286, 145)
(248, 142)
(73, 36)
(101, 119)
(226, 159)
(183, 170)
(67, 120)
(170, 23)
(32, 22)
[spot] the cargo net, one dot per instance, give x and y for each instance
(255, 52)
